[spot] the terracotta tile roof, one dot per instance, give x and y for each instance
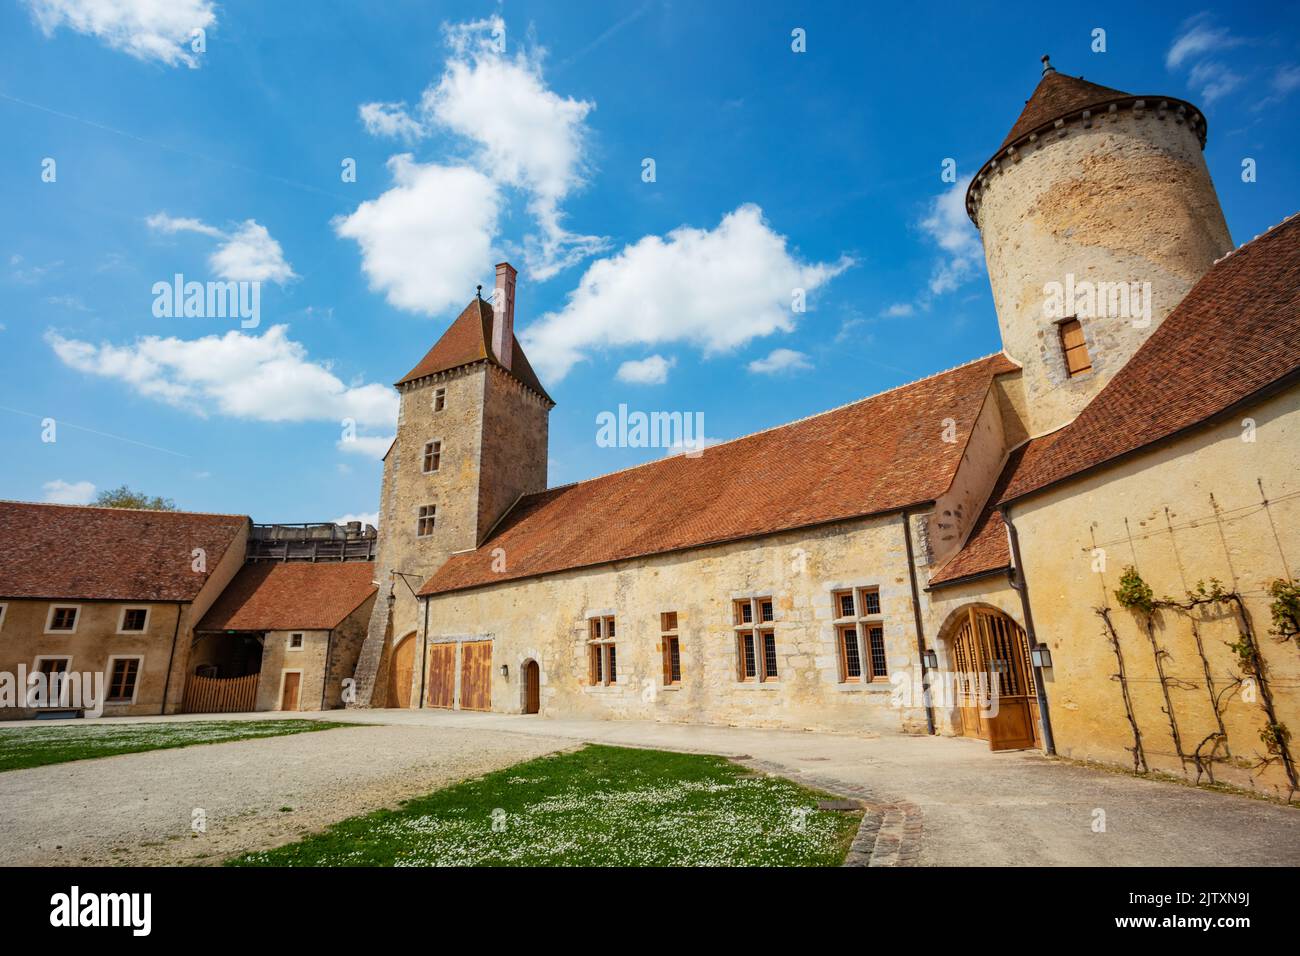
(68, 551)
(1058, 95)
(286, 595)
(876, 455)
(986, 547)
(1236, 333)
(468, 340)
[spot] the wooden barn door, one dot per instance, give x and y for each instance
(532, 688)
(476, 675)
(401, 672)
(442, 675)
(992, 644)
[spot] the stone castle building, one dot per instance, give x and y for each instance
(977, 522)
(1084, 543)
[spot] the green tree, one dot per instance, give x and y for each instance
(124, 497)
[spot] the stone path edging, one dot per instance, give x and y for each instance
(890, 832)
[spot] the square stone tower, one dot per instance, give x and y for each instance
(471, 439)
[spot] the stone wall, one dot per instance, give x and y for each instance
(1184, 512)
(278, 657)
(344, 651)
(93, 645)
(1126, 198)
(546, 620)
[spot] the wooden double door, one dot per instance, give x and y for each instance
(994, 683)
(475, 675)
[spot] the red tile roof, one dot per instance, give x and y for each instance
(876, 455)
(986, 549)
(1058, 95)
(74, 552)
(1235, 334)
(288, 595)
(468, 340)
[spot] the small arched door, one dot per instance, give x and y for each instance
(401, 672)
(532, 687)
(991, 656)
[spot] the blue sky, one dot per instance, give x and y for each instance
(773, 170)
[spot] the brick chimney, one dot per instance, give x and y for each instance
(503, 314)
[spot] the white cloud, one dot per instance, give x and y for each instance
(948, 226)
(780, 360)
(1214, 80)
(170, 225)
(372, 446)
(146, 29)
(425, 241)
(715, 288)
(523, 134)
(652, 370)
(365, 517)
(1286, 79)
(60, 492)
(898, 310)
(266, 378)
(392, 120)
(247, 253)
(1197, 36)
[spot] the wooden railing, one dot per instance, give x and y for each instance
(220, 695)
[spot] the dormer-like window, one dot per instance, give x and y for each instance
(1074, 348)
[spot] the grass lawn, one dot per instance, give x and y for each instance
(37, 746)
(598, 806)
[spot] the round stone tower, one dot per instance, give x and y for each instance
(1097, 215)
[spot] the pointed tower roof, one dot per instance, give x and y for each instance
(1059, 99)
(467, 341)
(1058, 95)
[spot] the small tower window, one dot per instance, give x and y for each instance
(432, 456)
(424, 525)
(439, 399)
(1074, 348)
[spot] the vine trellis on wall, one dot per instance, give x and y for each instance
(1136, 595)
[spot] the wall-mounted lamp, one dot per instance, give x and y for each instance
(931, 659)
(1042, 657)
(505, 671)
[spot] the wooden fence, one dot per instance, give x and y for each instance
(220, 695)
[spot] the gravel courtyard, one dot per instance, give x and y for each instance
(137, 808)
(940, 801)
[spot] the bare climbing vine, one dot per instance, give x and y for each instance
(1139, 755)
(1136, 595)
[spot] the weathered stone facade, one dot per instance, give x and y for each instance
(546, 620)
(1124, 197)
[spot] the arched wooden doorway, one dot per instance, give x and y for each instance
(990, 657)
(532, 687)
(401, 671)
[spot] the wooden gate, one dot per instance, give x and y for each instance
(476, 675)
(442, 675)
(991, 657)
(220, 695)
(532, 687)
(400, 673)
